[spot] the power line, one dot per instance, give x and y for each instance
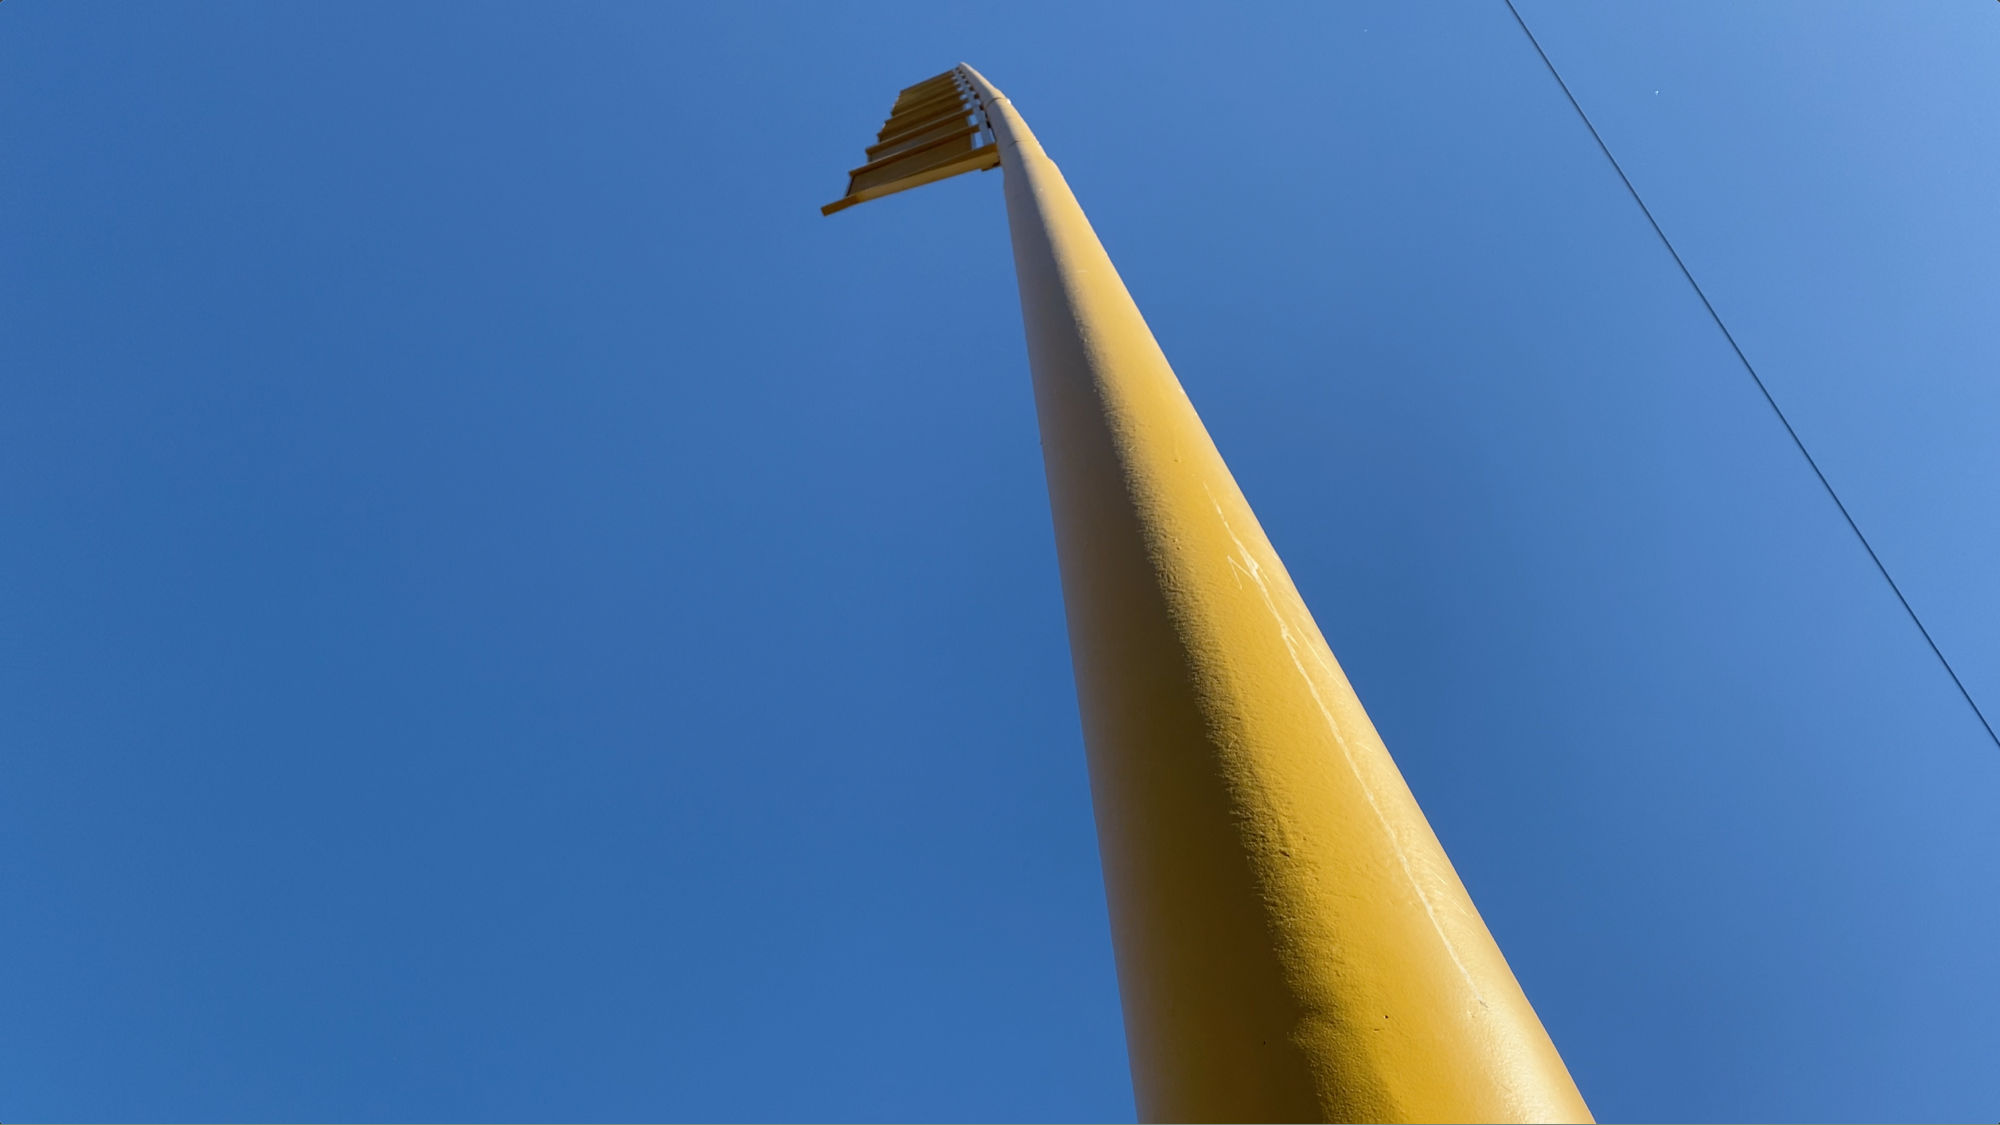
(1754, 377)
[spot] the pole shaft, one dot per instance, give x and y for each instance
(1292, 942)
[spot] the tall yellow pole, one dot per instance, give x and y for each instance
(1292, 943)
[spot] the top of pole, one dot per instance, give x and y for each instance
(1009, 132)
(934, 131)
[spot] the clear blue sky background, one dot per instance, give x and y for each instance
(505, 612)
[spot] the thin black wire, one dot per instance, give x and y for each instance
(1754, 377)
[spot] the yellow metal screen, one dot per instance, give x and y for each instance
(933, 132)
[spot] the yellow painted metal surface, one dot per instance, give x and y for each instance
(1292, 942)
(931, 134)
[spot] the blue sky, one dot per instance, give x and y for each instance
(507, 613)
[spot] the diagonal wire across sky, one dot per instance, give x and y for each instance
(1751, 370)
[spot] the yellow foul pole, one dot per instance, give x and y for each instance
(1292, 942)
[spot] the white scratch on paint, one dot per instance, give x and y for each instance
(1250, 568)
